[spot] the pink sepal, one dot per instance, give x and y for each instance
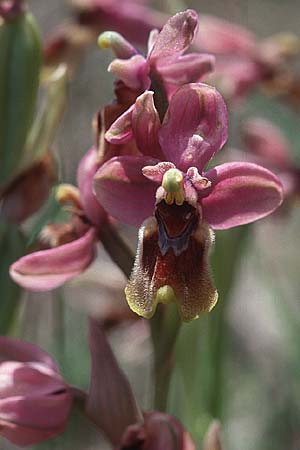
(195, 126)
(124, 192)
(241, 193)
(87, 168)
(48, 269)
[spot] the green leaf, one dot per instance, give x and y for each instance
(12, 247)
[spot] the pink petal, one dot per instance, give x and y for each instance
(187, 69)
(146, 124)
(133, 72)
(176, 36)
(195, 126)
(37, 411)
(25, 436)
(120, 131)
(17, 350)
(133, 20)
(87, 168)
(123, 191)
(110, 403)
(219, 36)
(267, 142)
(30, 378)
(156, 173)
(47, 269)
(152, 39)
(241, 193)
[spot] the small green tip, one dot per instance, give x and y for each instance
(105, 40)
(165, 294)
(172, 181)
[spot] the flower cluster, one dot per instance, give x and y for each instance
(244, 62)
(150, 168)
(180, 201)
(158, 180)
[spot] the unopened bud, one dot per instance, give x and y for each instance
(120, 46)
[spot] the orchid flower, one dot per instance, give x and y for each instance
(35, 402)
(176, 202)
(91, 17)
(165, 61)
(158, 431)
(72, 245)
(242, 61)
(112, 406)
(133, 18)
(268, 146)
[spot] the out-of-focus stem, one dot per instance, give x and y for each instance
(117, 249)
(58, 310)
(165, 327)
(226, 260)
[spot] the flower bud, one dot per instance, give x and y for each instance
(159, 431)
(35, 401)
(121, 47)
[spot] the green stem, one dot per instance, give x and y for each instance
(58, 311)
(165, 326)
(117, 249)
(226, 260)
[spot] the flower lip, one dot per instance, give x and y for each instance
(175, 225)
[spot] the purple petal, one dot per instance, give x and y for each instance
(176, 35)
(146, 124)
(195, 126)
(110, 403)
(187, 69)
(17, 350)
(123, 191)
(241, 193)
(156, 173)
(47, 269)
(152, 39)
(133, 72)
(41, 411)
(133, 20)
(120, 131)
(25, 436)
(87, 168)
(30, 378)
